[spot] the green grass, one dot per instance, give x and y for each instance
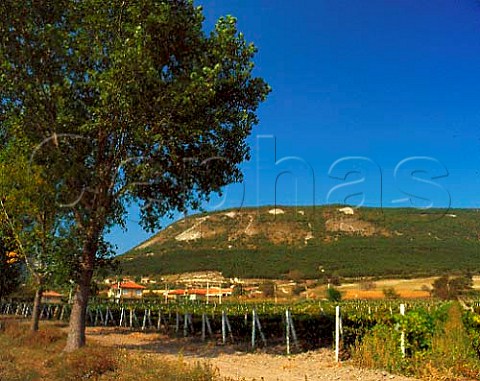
(417, 244)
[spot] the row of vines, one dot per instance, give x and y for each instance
(313, 322)
(430, 336)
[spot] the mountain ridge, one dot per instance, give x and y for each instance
(271, 241)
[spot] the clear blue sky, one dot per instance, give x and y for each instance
(373, 103)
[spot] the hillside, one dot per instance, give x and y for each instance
(269, 242)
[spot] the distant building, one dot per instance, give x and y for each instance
(126, 289)
(194, 293)
(147, 280)
(212, 292)
(52, 297)
(176, 294)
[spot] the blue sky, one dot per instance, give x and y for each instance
(373, 103)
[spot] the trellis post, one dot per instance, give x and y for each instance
(287, 321)
(402, 337)
(224, 328)
(337, 333)
(254, 315)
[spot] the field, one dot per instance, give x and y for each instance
(120, 354)
(415, 288)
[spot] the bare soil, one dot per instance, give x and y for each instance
(234, 363)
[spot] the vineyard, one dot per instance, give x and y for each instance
(309, 325)
(411, 337)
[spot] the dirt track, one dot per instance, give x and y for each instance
(309, 366)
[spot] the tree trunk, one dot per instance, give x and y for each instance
(37, 303)
(77, 324)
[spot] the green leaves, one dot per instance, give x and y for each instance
(124, 102)
(144, 78)
(10, 263)
(28, 211)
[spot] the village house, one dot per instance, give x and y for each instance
(147, 280)
(211, 292)
(204, 293)
(126, 289)
(194, 293)
(52, 297)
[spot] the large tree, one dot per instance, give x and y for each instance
(124, 101)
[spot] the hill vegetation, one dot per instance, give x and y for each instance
(323, 241)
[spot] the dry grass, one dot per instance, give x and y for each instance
(25, 354)
(378, 294)
(379, 350)
(138, 366)
(405, 288)
(38, 356)
(452, 356)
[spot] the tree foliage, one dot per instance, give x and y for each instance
(28, 211)
(268, 289)
(10, 264)
(333, 294)
(448, 288)
(390, 293)
(123, 102)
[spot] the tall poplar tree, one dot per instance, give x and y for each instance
(124, 101)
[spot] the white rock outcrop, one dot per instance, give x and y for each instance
(347, 210)
(192, 233)
(276, 211)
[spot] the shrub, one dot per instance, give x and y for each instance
(297, 290)
(238, 290)
(438, 346)
(333, 295)
(295, 275)
(380, 349)
(85, 363)
(268, 289)
(390, 293)
(367, 285)
(451, 288)
(452, 351)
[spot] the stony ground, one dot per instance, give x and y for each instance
(233, 363)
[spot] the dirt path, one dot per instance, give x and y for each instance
(310, 366)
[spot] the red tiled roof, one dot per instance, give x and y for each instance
(211, 291)
(177, 292)
(51, 293)
(199, 291)
(129, 284)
